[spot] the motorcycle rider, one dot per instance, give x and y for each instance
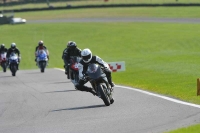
(71, 50)
(41, 47)
(3, 48)
(87, 58)
(14, 49)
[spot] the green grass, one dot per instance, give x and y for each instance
(167, 12)
(160, 57)
(191, 129)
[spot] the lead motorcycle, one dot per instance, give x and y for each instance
(73, 69)
(99, 83)
(13, 63)
(3, 60)
(42, 60)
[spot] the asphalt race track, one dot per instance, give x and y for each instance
(35, 102)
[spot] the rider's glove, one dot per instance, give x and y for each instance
(19, 59)
(107, 70)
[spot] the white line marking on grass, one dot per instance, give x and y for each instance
(156, 95)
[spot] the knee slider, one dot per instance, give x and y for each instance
(78, 87)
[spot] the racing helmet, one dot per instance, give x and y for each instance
(2, 46)
(13, 45)
(71, 45)
(86, 55)
(40, 43)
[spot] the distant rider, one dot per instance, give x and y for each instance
(3, 48)
(71, 50)
(87, 59)
(13, 49)
(41, 47)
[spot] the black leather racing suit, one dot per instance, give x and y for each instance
(3, 50)
(16, 51)
(67, 53)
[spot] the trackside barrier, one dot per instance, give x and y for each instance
(117, 66)
(198, 86)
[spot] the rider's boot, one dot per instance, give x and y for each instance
(110, 82)
(89, 89)
(67, 71)
(68, 75)
(112, 101)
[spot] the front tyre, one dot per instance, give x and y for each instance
(13, 68)
(104, 95)
(3, 64)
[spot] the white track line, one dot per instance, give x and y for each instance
(152, 94)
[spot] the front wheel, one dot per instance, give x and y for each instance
(104, 94)
(3, 65)
(13, 69)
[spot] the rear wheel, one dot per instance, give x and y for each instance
(42, 66)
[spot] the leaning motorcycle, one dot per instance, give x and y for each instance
(42, 60)
(3, 61)
(13, 63)
(73, 69)
(99, 83)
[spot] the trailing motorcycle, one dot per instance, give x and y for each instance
(42, 60)
(73, 69)
(13, 63)
(99, 83)
(3, 61)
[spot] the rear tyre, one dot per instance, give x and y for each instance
(42, 66)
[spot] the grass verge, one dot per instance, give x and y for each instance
(162, 58)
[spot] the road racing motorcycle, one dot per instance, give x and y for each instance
(73, 69)
(13, 63)
(3, 61)
(99, 82)
(42, 60)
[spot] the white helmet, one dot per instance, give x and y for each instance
(86, 55)
(13, 45)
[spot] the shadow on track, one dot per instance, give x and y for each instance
(60, 91)
(32, 73)
(6, 76)
(77, 108)
(61, 82)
